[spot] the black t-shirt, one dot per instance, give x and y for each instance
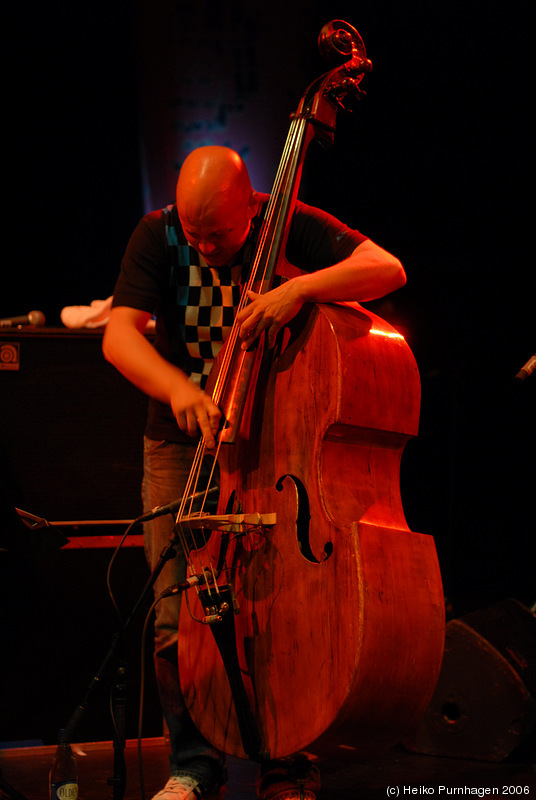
(194, 305)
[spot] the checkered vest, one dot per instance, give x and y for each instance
(206, 299)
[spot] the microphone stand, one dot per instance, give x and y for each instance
(119, 689)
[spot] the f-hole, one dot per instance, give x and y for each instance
(303, 520)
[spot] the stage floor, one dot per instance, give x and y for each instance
(395, 774)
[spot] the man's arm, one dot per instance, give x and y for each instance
(126, 347)
(368, 273)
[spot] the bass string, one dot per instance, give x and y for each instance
(195, 564)
(275, 213)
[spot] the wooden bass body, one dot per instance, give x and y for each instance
(338, 607)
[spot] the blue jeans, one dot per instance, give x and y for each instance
(166, 470)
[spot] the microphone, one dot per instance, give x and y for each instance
(36, 318)
(527, 369)
(174, 507)
(181, 587)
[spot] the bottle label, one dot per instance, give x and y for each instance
(64, 790)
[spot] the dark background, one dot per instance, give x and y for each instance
(436, 165)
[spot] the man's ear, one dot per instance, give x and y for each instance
(253, 204)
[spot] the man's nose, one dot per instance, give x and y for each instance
(206, 248)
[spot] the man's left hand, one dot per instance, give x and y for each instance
(268, 312)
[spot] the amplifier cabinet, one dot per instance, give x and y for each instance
(71, 427)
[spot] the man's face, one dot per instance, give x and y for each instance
(219, 229)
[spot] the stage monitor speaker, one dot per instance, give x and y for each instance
(71, 427)
(484, 705)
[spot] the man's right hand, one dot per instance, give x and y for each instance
(194, 412)
(126, 347)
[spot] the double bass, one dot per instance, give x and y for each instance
(317, 615)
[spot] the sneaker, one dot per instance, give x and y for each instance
(294, 794)
(295, 778)
(182, 787)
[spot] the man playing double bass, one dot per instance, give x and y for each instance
(185, 264)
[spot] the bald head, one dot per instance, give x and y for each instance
(215, 202)
(211, 175)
